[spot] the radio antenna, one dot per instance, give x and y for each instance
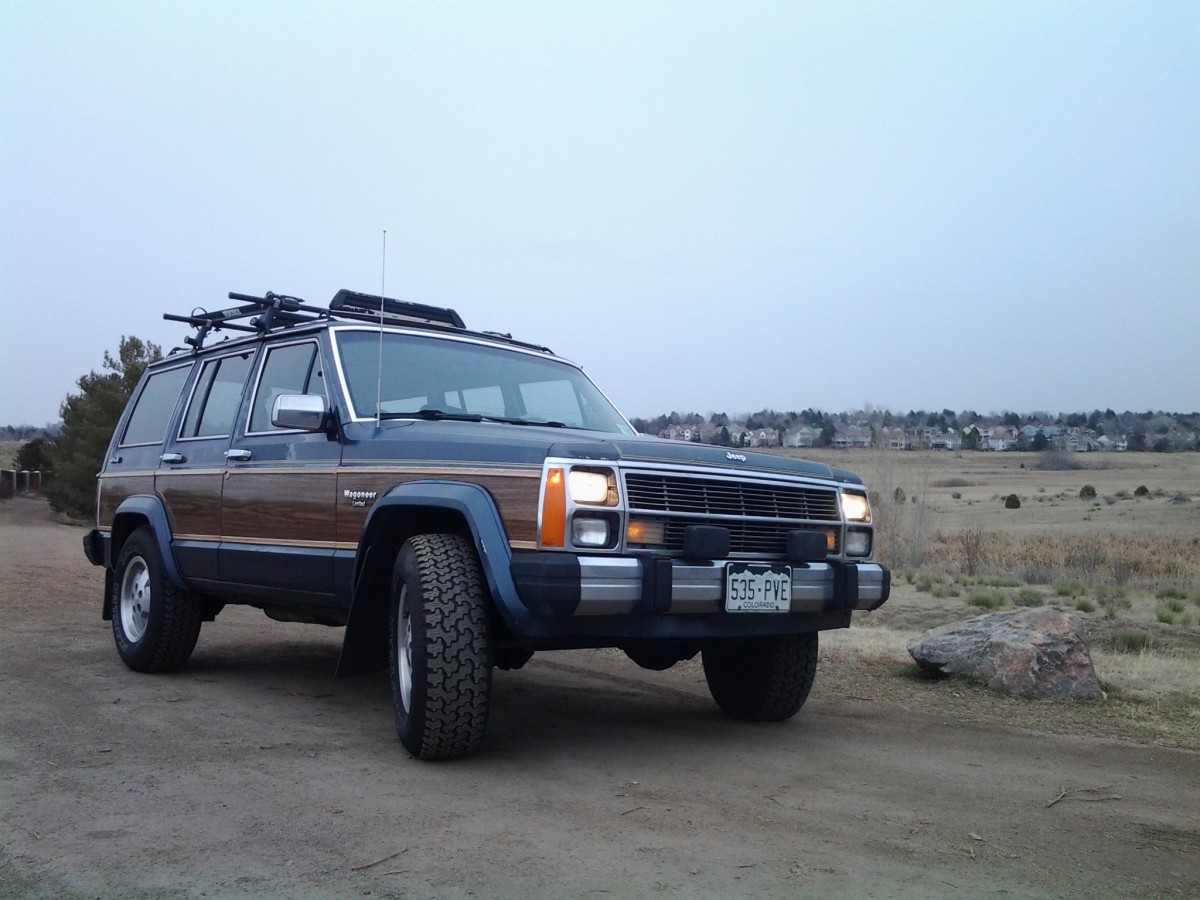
(379, 374)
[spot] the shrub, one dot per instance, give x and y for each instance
(986, 599)
(1068, 589)
(1087, 492)
(1194, 596)
(945, 590)
(1166, 614)
(957, 495)
(1142, 491)
(1130, 640)
(1169, 593)
(1174, 604)
(1012, 501)
(925, 583)
(1029, 597)
(1085, 606)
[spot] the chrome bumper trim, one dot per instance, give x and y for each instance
(613, 586)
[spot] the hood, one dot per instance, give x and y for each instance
(644, 448)
(498, 443)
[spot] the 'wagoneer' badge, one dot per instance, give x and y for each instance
(360, 498)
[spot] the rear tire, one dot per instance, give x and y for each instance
(762, 679)
(440, 641)
(155, 624)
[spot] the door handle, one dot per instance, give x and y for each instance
(172, 458)
(238, 455)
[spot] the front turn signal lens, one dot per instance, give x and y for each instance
(554, 509)
(640, 531)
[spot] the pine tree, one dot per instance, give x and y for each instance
(89, 418)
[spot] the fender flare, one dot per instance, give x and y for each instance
(150, 509)
(362, 649)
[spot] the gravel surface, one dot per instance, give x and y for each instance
(253, 772)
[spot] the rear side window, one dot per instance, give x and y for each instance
(290, 369)
(216, 397)
(150, 417)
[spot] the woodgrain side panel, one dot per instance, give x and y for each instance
(193, 501)
(280, 506)
(516, 497)
(114, 490)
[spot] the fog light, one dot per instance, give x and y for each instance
(587, 532)
(858, 543)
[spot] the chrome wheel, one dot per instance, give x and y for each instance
(135, 599)
(404, 643)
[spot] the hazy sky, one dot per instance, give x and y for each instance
(711, 206)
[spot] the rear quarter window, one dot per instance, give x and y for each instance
(154, 407)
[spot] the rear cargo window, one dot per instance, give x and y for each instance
(150, 417)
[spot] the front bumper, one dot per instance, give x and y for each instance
(564, 586)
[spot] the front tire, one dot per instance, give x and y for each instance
(440, 641)
(155, 625)
(762, 679)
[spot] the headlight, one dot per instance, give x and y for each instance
(855, 507)
(593, 488)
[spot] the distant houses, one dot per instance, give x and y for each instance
(993, 438)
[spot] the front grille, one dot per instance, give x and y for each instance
(758, 515)
(740, 499)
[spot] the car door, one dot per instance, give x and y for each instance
(278, 502)
(193, 462)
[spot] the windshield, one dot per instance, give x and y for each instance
(435, 378)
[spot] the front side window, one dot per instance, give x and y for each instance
(216, 397)
(290, 369)
(436, 377)
(150, 417)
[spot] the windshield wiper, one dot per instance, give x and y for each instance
(433, 414)
(440, 414)
(541, 423)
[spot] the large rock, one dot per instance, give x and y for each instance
(1035, 653)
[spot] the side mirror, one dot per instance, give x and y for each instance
(302, 412)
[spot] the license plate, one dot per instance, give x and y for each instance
(757, 588)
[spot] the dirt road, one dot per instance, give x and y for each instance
(254, 772)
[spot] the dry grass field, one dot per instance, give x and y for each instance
(1126, 561)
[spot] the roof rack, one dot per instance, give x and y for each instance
(273, 311)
